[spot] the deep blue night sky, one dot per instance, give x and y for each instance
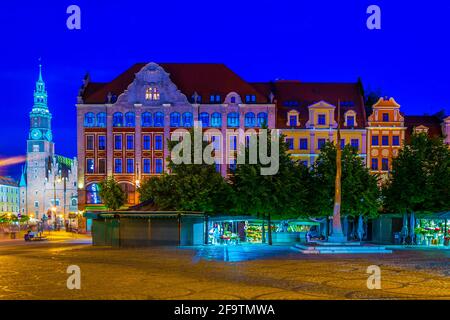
(261, 40)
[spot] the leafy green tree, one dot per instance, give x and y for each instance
(420, 177)
(283, 195)
(188, 187)
(360, 192)
(112, 194)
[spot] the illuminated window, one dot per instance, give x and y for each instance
(216, 120)
(152, 94)
(117, 165)
(89, 165)
(233, 119)
(250, 120)
(187, 119)
(118, 119)
(130, 165)
(130, 119)
(146, 167)
(130, 142)
(101, 142)
(89, 120)
(159, 119)
(146, 119)
(158, 142)
(101, 120)
(158, 165)
(204, 118)
(118, 142)
(147, 142)
(175, 119)
(262, 119)
(93, 194)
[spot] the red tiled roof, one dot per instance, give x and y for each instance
(204, 78)
(305, 94)
(433, 124)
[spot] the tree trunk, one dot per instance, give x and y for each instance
(269, 229)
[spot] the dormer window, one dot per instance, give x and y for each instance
(385, 117)
(152, 93)
(250, 98)
(321, 119)
(215, 98)
(293, 119)
(350, 119)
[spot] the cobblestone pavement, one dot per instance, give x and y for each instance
(38, 271)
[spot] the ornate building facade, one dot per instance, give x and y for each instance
(123, 125)
(48, 186)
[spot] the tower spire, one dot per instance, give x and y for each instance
(40, 94)
(40, 73)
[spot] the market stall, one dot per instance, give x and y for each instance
(433, 229)
(234, 230)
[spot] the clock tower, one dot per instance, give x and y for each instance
(40, 139)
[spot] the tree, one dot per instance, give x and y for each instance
(189, 187)
(420, 177)
(360, 193)
(112, 195)
(283, 195)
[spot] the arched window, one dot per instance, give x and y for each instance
(74, 202)
(175, 119)
(233, 119)
(204, 118)
(152, 93)
(101, 119)
(216, 120)
(159, 119)
(250, 119)
(93, 194)
(89, 120)
(130, 119)
(118, 119)
(187, 119)
(146, 119)
(262, 119)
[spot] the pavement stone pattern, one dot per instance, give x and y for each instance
(38, 271)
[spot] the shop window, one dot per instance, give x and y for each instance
(93, 194)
